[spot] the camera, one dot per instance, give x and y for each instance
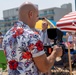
(56, 35)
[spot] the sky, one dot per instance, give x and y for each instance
(42, 4)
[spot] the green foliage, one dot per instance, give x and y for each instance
(3, 62)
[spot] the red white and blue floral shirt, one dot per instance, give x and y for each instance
(21, 44)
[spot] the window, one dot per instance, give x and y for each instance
(17, 9)
(14, 17)
(52, 18)
(45, 12)
(51, 11)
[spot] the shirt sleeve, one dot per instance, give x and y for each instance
(37, 46)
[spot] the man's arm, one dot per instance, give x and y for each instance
(44, 63)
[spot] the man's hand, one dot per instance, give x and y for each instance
(58, 51)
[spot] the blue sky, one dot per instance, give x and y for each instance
(42, 4)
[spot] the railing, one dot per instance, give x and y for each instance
(44, 14)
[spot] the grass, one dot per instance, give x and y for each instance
(3, 63)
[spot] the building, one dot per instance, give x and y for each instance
(2, 26)
(55, 13)
(75, 5)
(10, 16)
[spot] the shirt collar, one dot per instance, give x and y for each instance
(23, 24)
(44, 30)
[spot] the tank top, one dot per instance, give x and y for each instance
(70, 38)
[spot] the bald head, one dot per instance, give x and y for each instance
(27, 11)
(26, 6)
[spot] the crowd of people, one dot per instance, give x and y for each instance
(24, 45)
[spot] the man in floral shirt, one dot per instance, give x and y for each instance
(23, 47)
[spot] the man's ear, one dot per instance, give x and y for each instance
(30, 14)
